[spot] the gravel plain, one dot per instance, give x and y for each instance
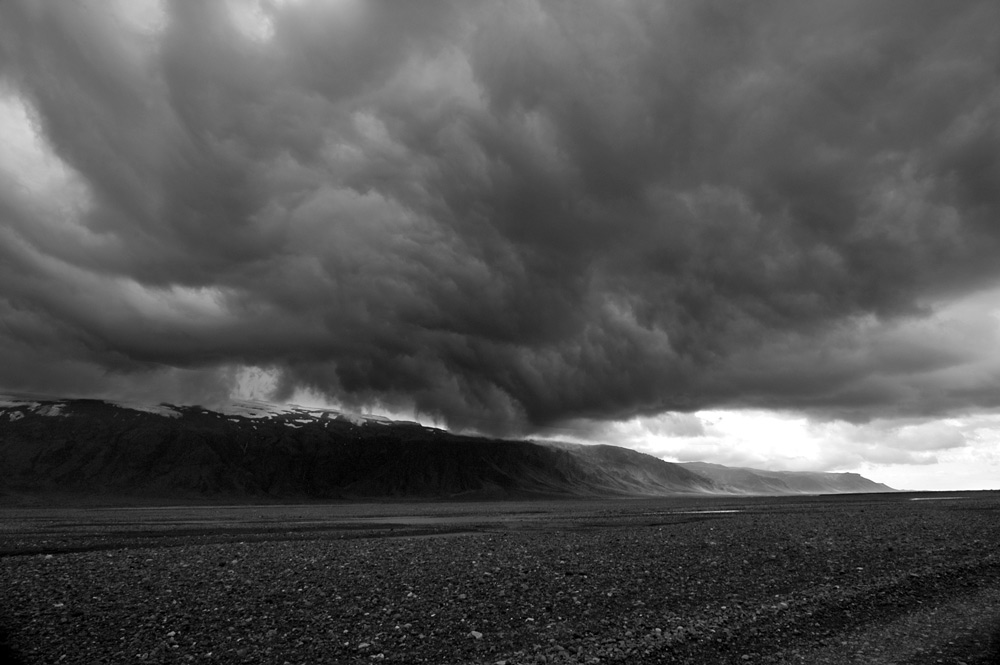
(837, 579)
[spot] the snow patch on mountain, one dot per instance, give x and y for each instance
(250, 409)
(8, 402)
(298, 414)
(51, 410)
(157, 409)
(19, 406)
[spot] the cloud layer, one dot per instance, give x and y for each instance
(507, 215)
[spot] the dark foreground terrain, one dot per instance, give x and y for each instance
(891, 578)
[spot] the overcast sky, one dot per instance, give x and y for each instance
(756, 233)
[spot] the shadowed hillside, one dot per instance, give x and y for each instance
(89, 446)
(251, 451)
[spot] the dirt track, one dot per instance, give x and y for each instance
(865, 579)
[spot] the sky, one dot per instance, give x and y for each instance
(754, 233)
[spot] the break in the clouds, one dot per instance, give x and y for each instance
(907, 453)
(508, 214)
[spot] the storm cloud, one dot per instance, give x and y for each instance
(506, 215)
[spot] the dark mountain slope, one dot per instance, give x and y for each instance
(89, 446)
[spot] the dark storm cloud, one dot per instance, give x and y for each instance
(505, 214)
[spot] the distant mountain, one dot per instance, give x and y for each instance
(252, 450)
(740, 480)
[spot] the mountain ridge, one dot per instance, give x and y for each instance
(259, 451)
(747, 480)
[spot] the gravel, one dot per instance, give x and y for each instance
(883, 580)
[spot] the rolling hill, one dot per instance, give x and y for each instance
(741, 480)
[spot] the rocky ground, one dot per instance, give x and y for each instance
(870, 579)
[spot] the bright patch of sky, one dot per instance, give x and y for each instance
(29, 165)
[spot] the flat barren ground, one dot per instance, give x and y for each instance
(891, 578)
